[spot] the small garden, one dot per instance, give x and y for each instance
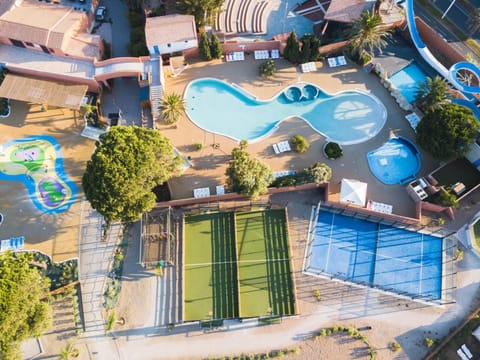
(60, 274)
(93, 118)
(318, 173)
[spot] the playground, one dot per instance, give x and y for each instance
(237, 264)
(43, 157)
(36, 161)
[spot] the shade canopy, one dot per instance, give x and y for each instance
(353, 192)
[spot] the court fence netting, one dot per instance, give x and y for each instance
(449, 253)
(159, 237)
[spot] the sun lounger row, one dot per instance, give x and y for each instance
(308, 67)
(14, 243)
(265, 54)
(235, 56)
(464, 353)
(281, 147)
(413, 119)
(337, 61)
(278, 174)
(380, 207)
(205, 192)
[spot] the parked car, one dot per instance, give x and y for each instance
(101, 13)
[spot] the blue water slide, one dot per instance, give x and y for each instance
(450, 74)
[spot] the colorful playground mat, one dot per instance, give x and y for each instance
(37, 162)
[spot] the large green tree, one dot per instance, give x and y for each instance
(204, 47)
(171, 107)
(367, 34)
(447, 132)
(309, 51)
(24, 313)
(203, 10)
(432, 94)
(127, 164)
(215, 47)
(292, 49)
(247, 175)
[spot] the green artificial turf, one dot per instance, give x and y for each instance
(210, 273)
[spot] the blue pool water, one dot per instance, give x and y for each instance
(407, 80)
(348, 117)
(378, 255)
(395, 162)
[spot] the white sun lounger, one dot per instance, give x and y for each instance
(308, 67)
(201, 192)
(220, 189)
(462, 354)
(275, 54)
(332, 62)
(275, 149)
(284, 146)
(341, 60)
(278, 174)
(467, 352)
(413, 119)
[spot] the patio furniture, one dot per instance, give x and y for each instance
(275, 54)
(14, 243)
(201, 192)
(284, 146)
(278, 174)
(413, 119)
(462, 355)
(308, 67)
(341, 60)
(220, 189)
(467, 352)
(275, 149)
(379, 207)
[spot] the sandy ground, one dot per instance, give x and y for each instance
(55, 234)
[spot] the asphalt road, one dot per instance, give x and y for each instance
(441, 29)
(457, 14)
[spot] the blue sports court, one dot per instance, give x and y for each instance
(377, 255)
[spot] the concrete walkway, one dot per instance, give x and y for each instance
(95, 257)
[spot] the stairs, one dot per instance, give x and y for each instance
(156, 93)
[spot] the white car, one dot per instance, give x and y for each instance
(101, 13)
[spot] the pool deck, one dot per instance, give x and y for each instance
(209, 163)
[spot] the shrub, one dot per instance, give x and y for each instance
(198, 146)
(446, 198)
(215, 47)
(299, 144)
(333, 150)
(395, 346)
(267, 68)
(364, 59)
(459, 255)
(428, 342)
(204, 45)
(323, 332)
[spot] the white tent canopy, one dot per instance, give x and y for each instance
(476, 333)
(353, 192)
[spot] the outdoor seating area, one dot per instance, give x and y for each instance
(464, 352)
(13, 244)
(265, 54)
(308, 67)
(337, 61)
(413, 119)
(279, 174)
(282, 146)
(379, 207)
(235, 56)
(201, 192)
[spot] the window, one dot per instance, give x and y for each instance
(17, 43)
(28, 44)
(169, 45)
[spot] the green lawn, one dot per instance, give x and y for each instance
(210, 269)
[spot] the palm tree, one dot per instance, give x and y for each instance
(171, 107)
(432, 94)
(474, 22)
(367, 34)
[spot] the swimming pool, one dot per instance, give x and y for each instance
(407, 80)
(395, 162)
(348, 117)
(375, 255)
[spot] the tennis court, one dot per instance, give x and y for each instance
(210, 272)
(264, 264)
(237, 265)
(373, 254)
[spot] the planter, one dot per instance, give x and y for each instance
(332, 150)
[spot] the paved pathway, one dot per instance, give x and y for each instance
(95, 257)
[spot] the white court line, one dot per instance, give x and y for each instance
(236, 262)
(329, 243)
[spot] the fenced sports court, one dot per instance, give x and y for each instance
(376, 254)
(237, 264)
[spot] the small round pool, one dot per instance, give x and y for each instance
(310, 92)
(293, 93)
(395, 162)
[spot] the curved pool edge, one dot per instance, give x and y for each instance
(416, 152)
(277, 124)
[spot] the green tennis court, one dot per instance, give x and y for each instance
(254, 245)
(210, 268)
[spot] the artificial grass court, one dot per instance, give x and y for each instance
(237, 264)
